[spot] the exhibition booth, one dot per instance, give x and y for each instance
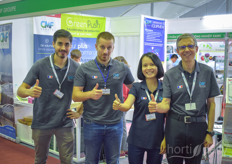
(24, 41)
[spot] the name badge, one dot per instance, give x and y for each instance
(150, 117)
(105, 91)
(190, 106)
(58, 94)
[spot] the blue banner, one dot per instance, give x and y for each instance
(7, 121)
(87, 48)
(154, 36)
(42, 46)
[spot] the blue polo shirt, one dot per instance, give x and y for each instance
(88, 74)
(145, 134)
(48, 110)
(175, 89)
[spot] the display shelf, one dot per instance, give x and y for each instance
(227, 121)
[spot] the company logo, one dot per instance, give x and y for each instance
(46, 24)
(116, 76)
(4, 39)
(4, 36)
(202, 84)
(72, 22)
(188, 150)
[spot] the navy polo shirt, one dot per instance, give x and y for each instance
(101, 111)
(175, 89)
(145, 134)
(48, 110)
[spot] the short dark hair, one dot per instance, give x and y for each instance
(75, 53)
(156, 61)
(105, 35)
(174, 56)
(62, 33)
(184, 36)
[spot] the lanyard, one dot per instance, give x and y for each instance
(156, 95)
(187, 86)
(105, 79)
(54, 71)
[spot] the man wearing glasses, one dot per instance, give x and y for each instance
(188, 97)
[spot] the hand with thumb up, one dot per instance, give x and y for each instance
(36, 90)
(152, 105)
(96, 93)
(116, 103)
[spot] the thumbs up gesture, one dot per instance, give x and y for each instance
(152, 105)
(36, 90)
(116, 103)
(96, 93)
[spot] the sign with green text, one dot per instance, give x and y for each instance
(200, 36)
(83, 26)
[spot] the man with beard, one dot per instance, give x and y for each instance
(52, 78)
(96, 83)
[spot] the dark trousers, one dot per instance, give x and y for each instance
(136, 155)
(184, 141)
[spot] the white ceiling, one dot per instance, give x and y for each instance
(168, 9)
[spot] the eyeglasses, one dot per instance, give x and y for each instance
(184, 47)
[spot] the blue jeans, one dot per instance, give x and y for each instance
(97, 134)
(136, 154)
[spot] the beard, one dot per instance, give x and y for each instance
(61, 54)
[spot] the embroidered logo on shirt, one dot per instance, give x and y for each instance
(116, 76)
(202, 84)
(180, 86)
(160, 98)
(70, 78)
(50, 77)
(94, 77)
(143, 98)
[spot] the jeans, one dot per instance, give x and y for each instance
(64, 140)
(136, 154)
(97, 134)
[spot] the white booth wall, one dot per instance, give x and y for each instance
(22, 49)
(127, 40)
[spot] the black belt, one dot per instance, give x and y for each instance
(187, 119)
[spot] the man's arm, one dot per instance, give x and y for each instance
(78, 94)
(25, 90)
(211, 119)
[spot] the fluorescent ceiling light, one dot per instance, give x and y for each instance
(7, 1)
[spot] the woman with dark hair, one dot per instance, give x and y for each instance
(147, 129)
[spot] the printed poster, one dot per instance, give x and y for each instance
(44, 28)
(153, 36)
(7, 119)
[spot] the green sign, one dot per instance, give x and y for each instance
(33, 6)
(200, 36)
(83, 26)
(25, 8)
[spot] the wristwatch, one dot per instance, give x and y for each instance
(210, 133)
